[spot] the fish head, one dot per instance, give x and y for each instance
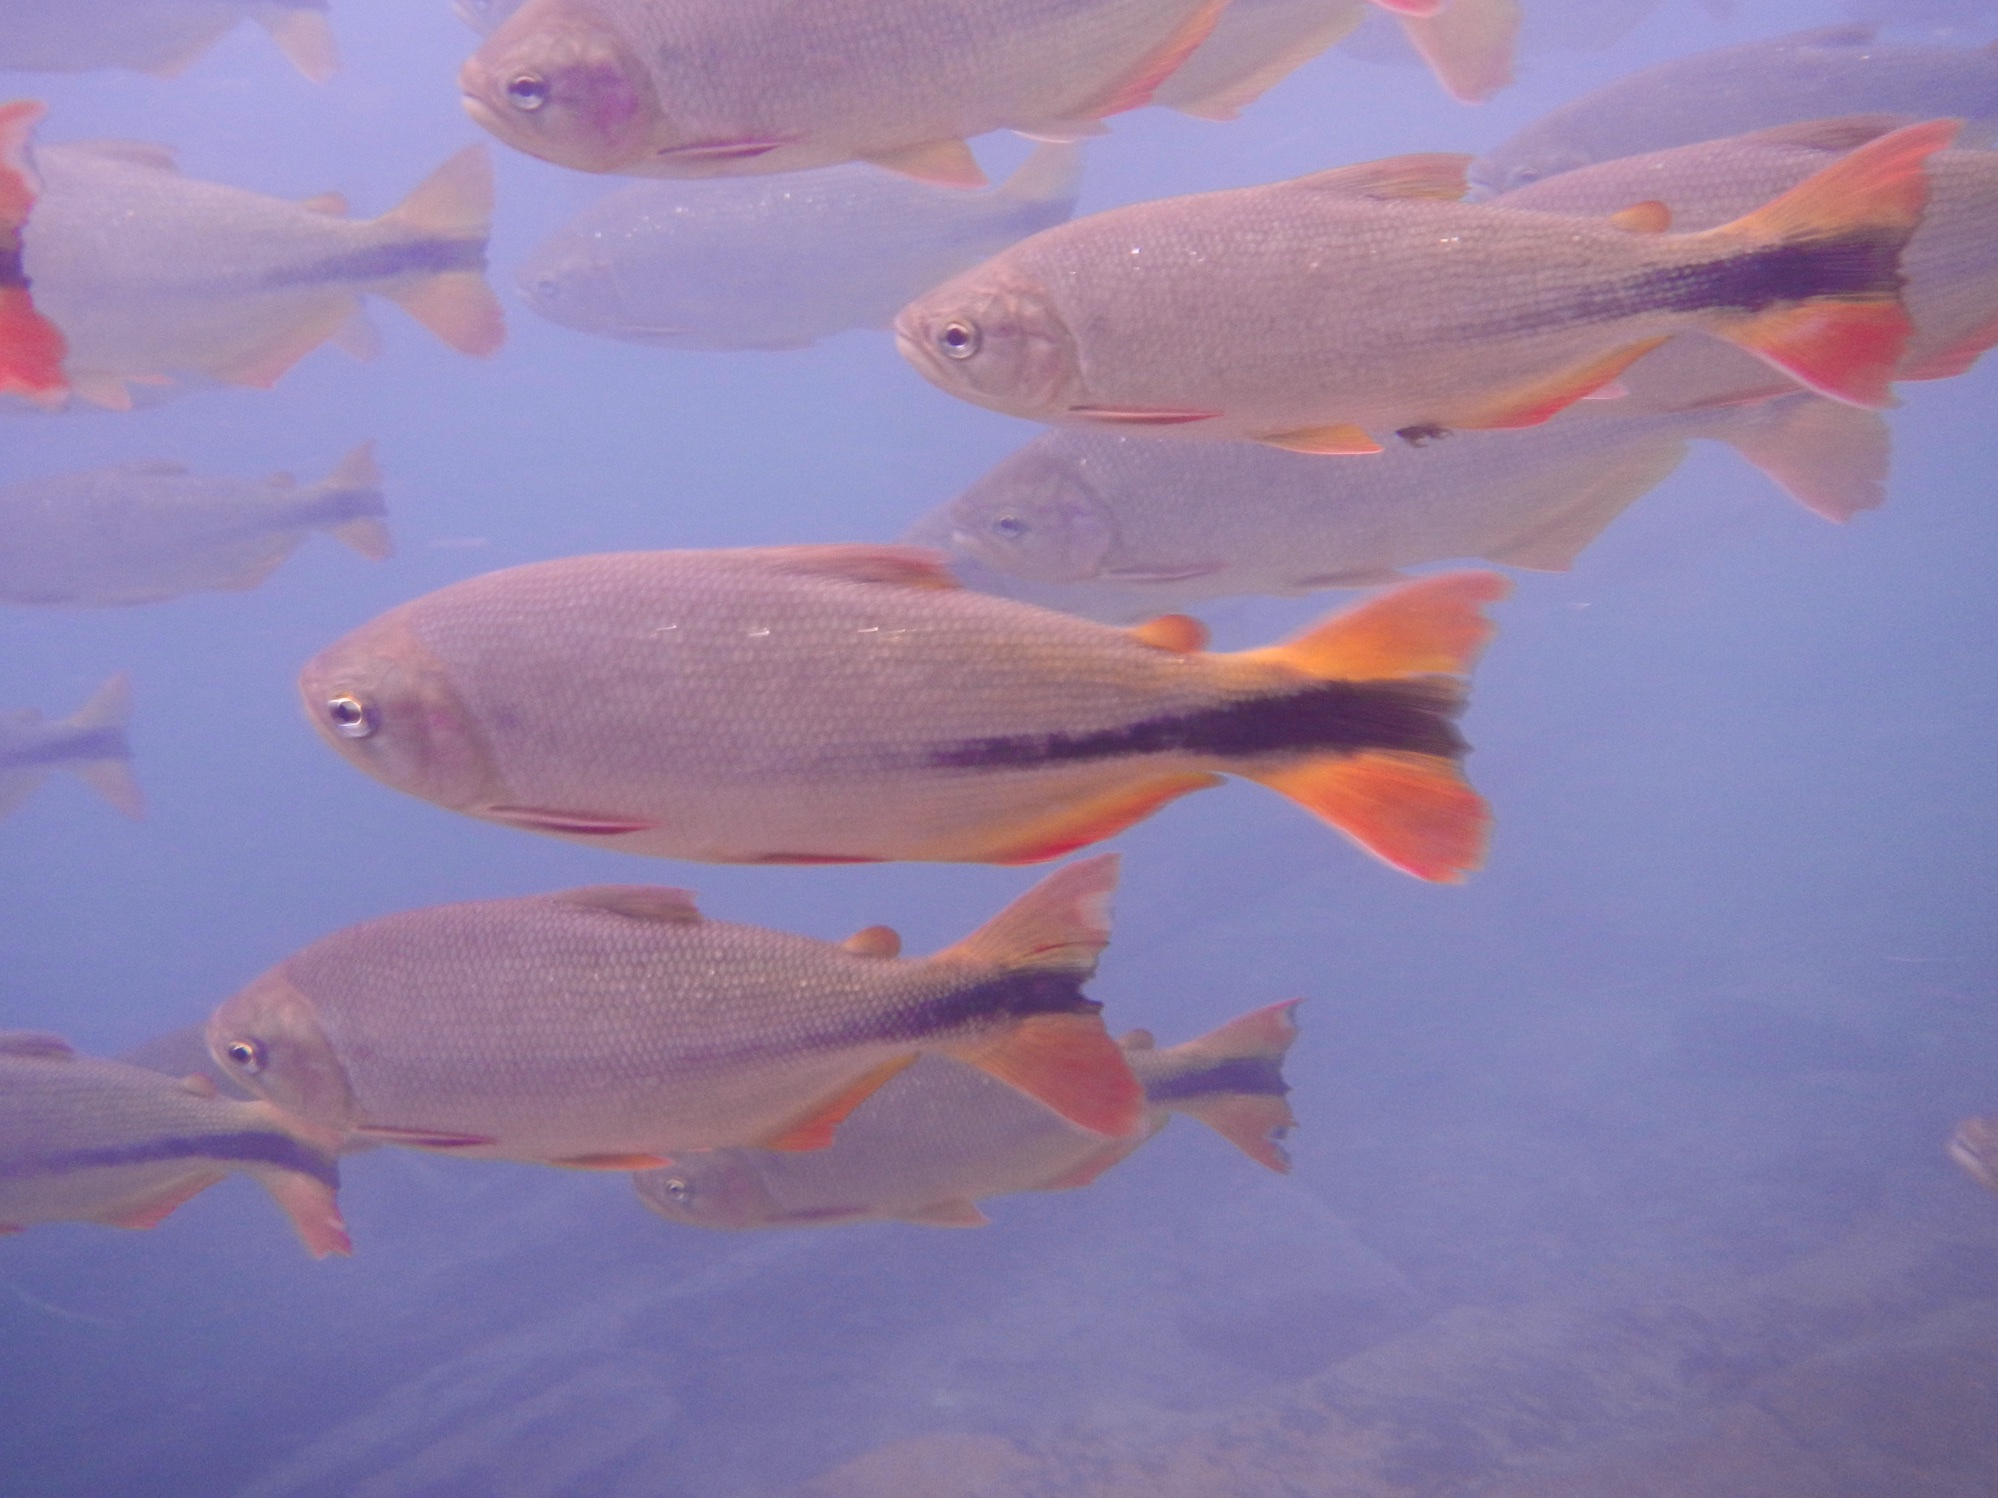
(389, 707)
(1036, 517)
(711, 1189)
(268, 1038)
(559, 82)
(567, 283)
(1525, 161)
(995, 339)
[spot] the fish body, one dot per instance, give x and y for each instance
(85, 1140)
(1330, 313)
(1974, 1146)
(852, 704)
(1122, 528)
(1838, 70)
(31, 347)
(145, 532)
(1950, 265)
(697, 88)
(942, 1137)
(780, 262)
(155, 36)
(601, 1027)
(153, 276)
(90, 744)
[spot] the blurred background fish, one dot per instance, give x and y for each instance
(153, 276)
(90, 743)
(84, 1140)
(146, 532)
(156, 36)
(31, 348)
(780, 262)
(941, 1137)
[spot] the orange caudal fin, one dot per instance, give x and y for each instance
(1231, 1080)
(1069, 1063)
(1058, 926)
(1839, 327)
(32, 348)
(1434, 626)
(1413, 811)
(454, 204)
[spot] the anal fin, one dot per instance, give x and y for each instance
(948, 163)
(151, 1211)
(1136, 88)
(814, 1129)
(958, 1212)
(1534, 403)
(1091, 821)
(1332, 441)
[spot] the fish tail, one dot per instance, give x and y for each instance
(1231, 1079)
(455, 202)
(310, 1199)
(1834, 242)
(357, 483)
(303, 36)
(1065, 1060)
(1409, 807)
(32, 348)
(1468, 45)
(1052, 174)
(1832, 459)
(110, 774)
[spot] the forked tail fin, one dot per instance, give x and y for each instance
(1832, 459)
(109, 773)
(303, 35)
(1231, 1080)
(354, 490)
(1835, 241)
(454, 203)
(1468, 45)
(32, 348)
(1408, 807)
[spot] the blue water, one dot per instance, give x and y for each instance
(1620, 1168)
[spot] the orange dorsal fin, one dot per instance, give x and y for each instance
(946, 163)
(1058, 926)
(813, 1129)
(1438, 175)
(1432, 626)
(1648, 217)
(1179, 633)
(1468, 45)
(638, 902)
(860, 562)
(1135, 89)
(1069, 1063)
(1413, 811)
(1832, 459)
(1846, 346)
(874, 941)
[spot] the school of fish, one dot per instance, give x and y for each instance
(1269, 389)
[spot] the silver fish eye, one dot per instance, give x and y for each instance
(527, 91)
(1012, 527)
(677, 1189)
(959, 338)
(352, 718)
(246, 1054)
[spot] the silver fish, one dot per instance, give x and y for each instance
(156, 36)
(90, 744)
(780, 262)
(1778, 81)
(144, 532)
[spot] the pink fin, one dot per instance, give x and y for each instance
(861, 562)
(429, 1139)
(1957, 358)
(638, 902)
(619, 1162)
(1468, 45)
(367, 534)
(313, 1208)
(1139, 416)
(947, 163)
(1059, 926)
(157, 1208)
(459, 308)
(813, 1130)
(263, 366)
(1136, 90)
(1410, 7)
(303, 36)
(959, 1212)
(572, 823)
(1435, 175)
(874, 941)
(1069, 1063)
(35, 1045)
(1833, 459)
(725, 150)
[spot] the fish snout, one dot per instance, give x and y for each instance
(1004, 347)
(563, 90)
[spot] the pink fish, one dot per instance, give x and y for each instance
(31, 347)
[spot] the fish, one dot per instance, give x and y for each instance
(854, 703)
(1256, 44)
(1974, 1146)
(484, 16)
(1120, 528)
(1328, 313)
(702, 88)
(1467, 44)
(146, 532)
(153, 276)
(941, 1137)
(90, 743)
(32, 348)
(183, 1052)
(162, 37)
(1807, 75)
(609, 1028)
(780, 262)
(87, 1140)
(1950, 265)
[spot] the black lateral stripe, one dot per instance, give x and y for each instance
(69, 746)
(1412, 715)
(1255, 1076)
(425, 257)
(1012, 996)
(248, 1147)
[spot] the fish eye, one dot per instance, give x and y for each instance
(246, 1054)
(1012, 527)
(527, 91)
(1524, 176)
(677, 1190)
(352, 718)
(959, 339)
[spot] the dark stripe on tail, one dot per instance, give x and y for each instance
(61, 746)
(424, 257)
(1254, 1076)
(250, 1147)
(1862, 266)
(1412, 716)
(1014, 996)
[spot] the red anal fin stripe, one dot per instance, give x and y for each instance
(429, 1139)
(1136, 416)
(574, 823)
(724, 150)
(1410, 7)
(1092, 821)
(813, 858)
(612, 1162)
